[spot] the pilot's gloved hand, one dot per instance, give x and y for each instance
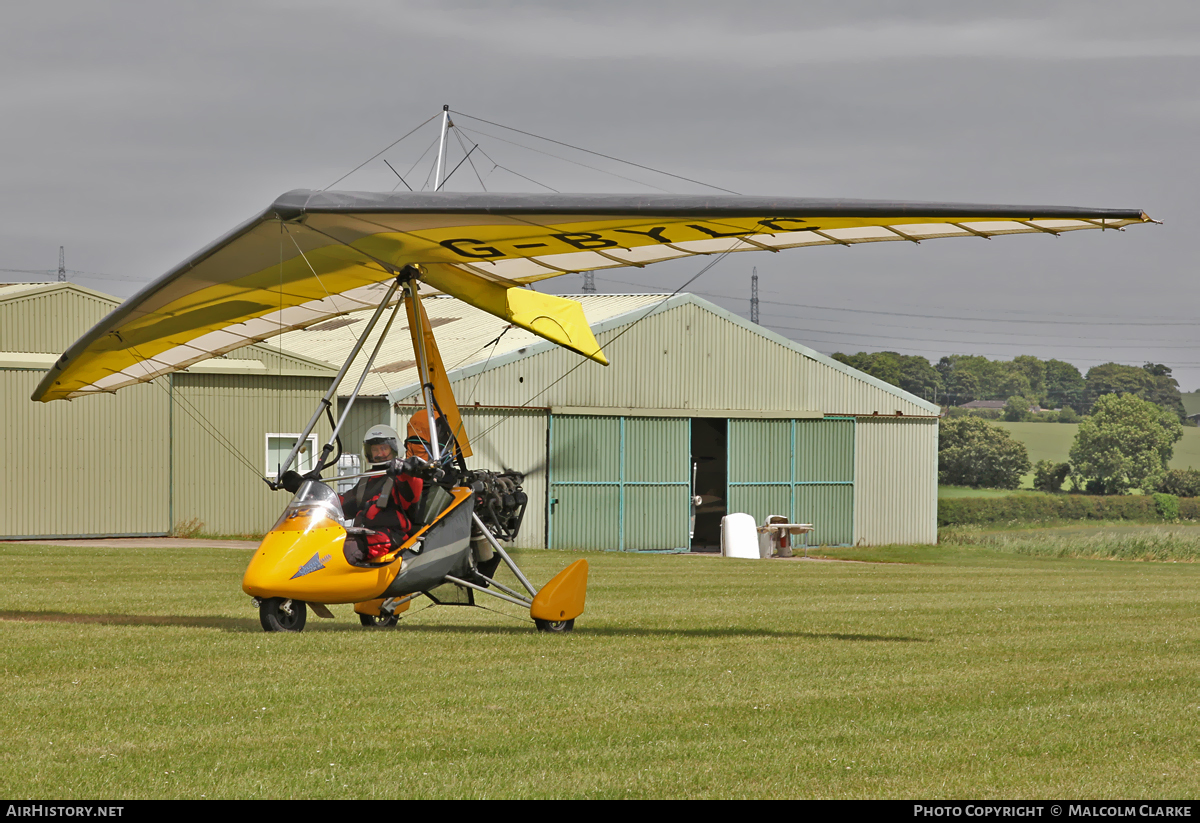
(291, 481)
(410, 466)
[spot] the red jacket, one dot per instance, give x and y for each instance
(388, 517)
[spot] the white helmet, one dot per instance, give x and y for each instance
(381, 436)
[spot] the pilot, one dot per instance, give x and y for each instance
(382, 504)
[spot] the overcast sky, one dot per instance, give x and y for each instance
(133, 134)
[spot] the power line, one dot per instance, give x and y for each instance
(1099, 319)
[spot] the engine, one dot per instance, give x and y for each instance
(499, 500)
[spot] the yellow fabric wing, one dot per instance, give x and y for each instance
(316, 255)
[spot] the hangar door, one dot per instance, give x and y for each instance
(619, 482)
(801, 469)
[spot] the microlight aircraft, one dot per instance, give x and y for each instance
(315, 255)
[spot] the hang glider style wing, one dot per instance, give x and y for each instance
(314, 255)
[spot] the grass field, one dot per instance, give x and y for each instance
(1052, 441)
(961, 672)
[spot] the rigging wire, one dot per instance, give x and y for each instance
(200, 420)
(460, 162)
(207, 426)
(373, 156)
(418, 160)
(402, 180)
(502, 614)
(567, 160)
(623, 332)
(491, 354)
(523, 177)
(198, 417)
(429, 175)
(588, 151)
(460, 134)
(330, 296)
(279, 337)
(459, 137)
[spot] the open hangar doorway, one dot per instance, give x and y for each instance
(709, 438)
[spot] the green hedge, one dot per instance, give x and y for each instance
(1031, 508)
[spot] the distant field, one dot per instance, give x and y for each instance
(965, 491)
(962, 671)
(1052, 441)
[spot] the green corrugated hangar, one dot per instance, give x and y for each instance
(186, 452)
(697, 402)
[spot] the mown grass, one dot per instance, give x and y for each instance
(961, 672)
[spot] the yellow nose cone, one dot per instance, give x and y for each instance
(309, 564)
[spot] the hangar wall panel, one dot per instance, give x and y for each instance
(799, 469)
(583, 517)
(585, 482)
(220, 425)
(619, 482)
(895, 469)
(95, 467)
(657, 483)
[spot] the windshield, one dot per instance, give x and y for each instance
(314, 505)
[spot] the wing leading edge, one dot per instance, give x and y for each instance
(312, 256)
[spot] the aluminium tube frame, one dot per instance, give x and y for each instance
(324, 403)
(508, 561)
(464, 584)
(412, 292)
(362, 377)
(441, 157)
(503, 588)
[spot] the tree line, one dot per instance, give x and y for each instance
(1051, 384)
(1124, 444)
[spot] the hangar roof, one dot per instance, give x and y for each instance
(472, 341)
(38, 320)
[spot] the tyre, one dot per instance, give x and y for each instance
(275, 618)
(556, 626)
(383, 621)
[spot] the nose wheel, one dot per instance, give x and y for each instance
(382, 621)
(277, 614)
(555, 626)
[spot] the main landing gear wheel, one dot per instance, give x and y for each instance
(556, 626)
(278, 614)
(383, 621)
